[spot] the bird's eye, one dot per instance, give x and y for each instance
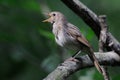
(54, 14)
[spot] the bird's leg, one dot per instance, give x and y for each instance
(76, 54)
(73, 58)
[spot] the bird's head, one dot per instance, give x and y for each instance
(55, 17)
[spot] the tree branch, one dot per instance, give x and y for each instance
(69, 67)
(92, 20)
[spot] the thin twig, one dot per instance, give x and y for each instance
(102, 41)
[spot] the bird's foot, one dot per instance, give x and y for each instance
(72, 59)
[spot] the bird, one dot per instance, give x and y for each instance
(69, 36)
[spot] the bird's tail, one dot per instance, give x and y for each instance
(94, 60)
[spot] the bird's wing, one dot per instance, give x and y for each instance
(74, 32)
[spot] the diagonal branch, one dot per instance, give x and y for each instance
(67, 68)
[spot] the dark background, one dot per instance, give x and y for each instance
(27, 47)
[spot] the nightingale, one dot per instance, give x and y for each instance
(69, 36)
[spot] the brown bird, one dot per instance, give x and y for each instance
(69, 36)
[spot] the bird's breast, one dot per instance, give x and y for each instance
(64, 40)
(59, 35)
(60, 39)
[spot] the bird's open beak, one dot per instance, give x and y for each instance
(47, 20)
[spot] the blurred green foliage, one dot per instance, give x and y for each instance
(27, 47)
